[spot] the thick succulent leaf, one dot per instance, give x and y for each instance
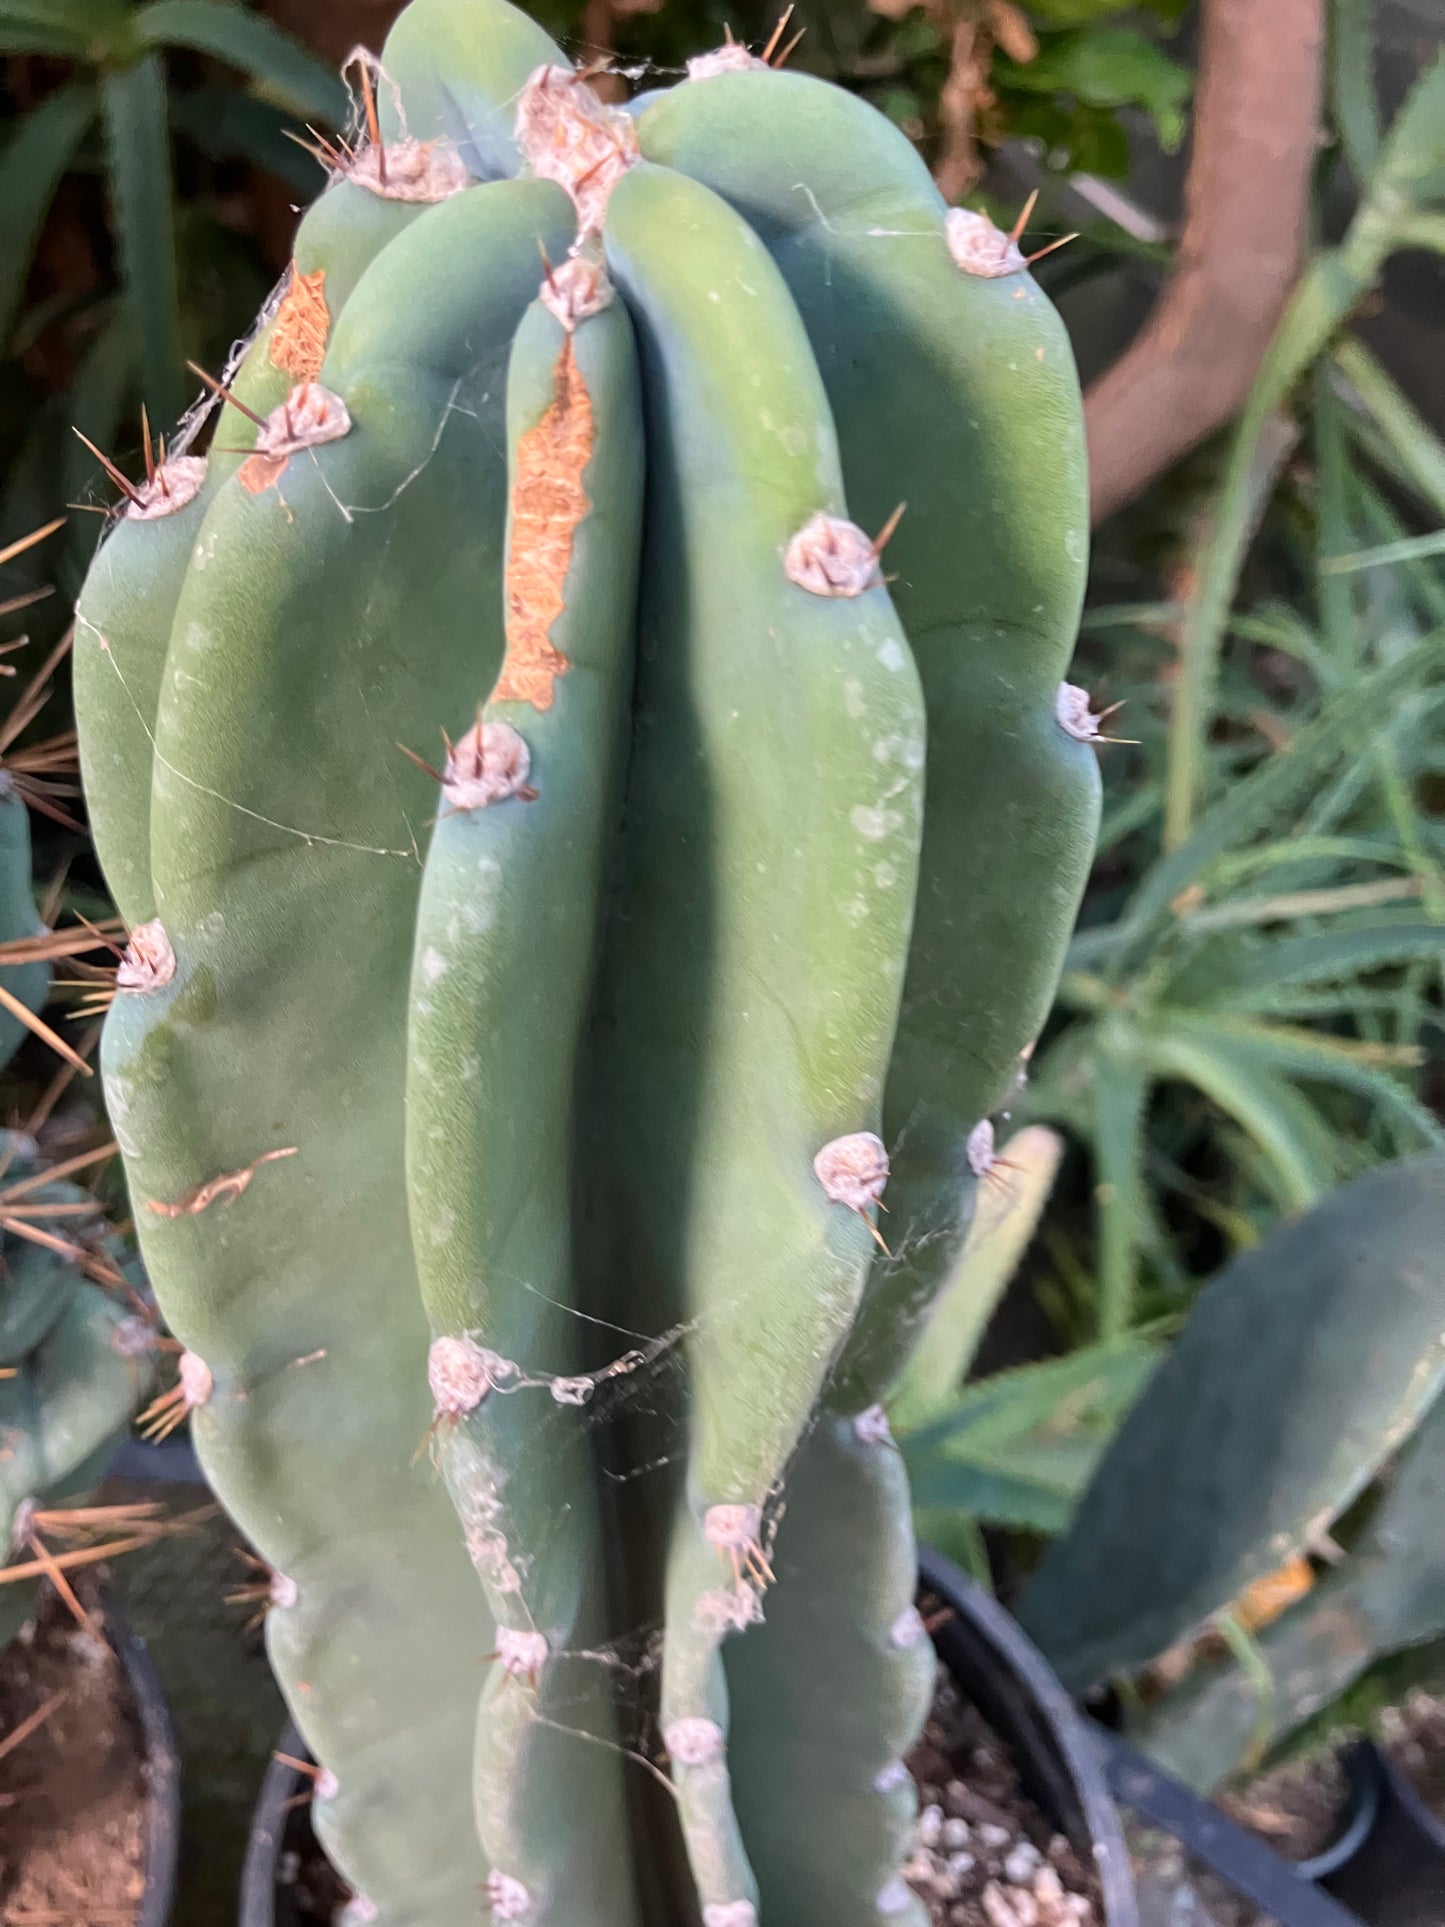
(1301, 1367)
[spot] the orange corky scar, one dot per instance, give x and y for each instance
(548, 502)
(229, 1186)
(303, 321)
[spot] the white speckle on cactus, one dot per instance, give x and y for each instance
(211, 925)
(730, 1913)
(522, 1654)
(892, 1778)
(148, 962)
(282, 1591)
(870, 1427)
(442, 1227)
(830, 556)
(1074, 711)
(173, 484)
(570, 136)
(894, 1898)
(195, 1379)
(571, 1391)
(434, 965)
(853, 1170)
(732, 1525)
(490, 764)
(978, 247)
(133, 1337)
(853, 699)
(327, 1784)
(359, 1911)
(892, 654)
(979, 1149)
(458, 1373)
(907, 1629)
(507, 1898)
(873, 821)
(884, 875)
(694, 1740)
(855, 909)
(727, 1609)
(734, 58)
(579, 288)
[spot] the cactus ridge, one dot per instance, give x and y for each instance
(510, 1141)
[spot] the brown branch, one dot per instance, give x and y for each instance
(1256, 133)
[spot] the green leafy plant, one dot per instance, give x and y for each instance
(1277, 952)
(563, 1138)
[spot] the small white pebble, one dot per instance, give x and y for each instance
(961, 1863)
(1022, 1863)
(955, 1795)
(930, 1825)
(1048, 1887)
(992, 1836)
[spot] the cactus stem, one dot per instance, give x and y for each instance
(227, 1187)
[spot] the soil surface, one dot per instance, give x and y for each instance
(1414, 1736)
(72, 1790)
(984, 1855)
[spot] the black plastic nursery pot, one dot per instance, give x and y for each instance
(994, 1666)
(162, 1769)
(1387, 1862)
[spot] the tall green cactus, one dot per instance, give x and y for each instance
(538, 1108)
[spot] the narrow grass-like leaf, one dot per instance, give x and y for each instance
(35, 157)
(291, 76)
(133, 103)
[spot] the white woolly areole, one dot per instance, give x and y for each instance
(196, 1381)
(410, 170)
(149, 960)
(487, 765)
(853, 1170)
(457, 1370)
(907, 1629)
(870, 1427)
(174, 483)
(569, 136)
(892, 1777)
(732, 1525)
(1074, 711)
(727, 1609)
(507, 1898)
(894, 1898)
(579, 288)
(133, 1338)
(309, 416)
(729, 1913)
(327, 1784)
(734, 58)
(694, 1741)
(833, 557)
(521, 1654)
(979, 1149)
(359, 1911)
(282, 1591)
(978, 247)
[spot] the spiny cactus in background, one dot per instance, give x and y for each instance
(539, 1106)
(73, 1365)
